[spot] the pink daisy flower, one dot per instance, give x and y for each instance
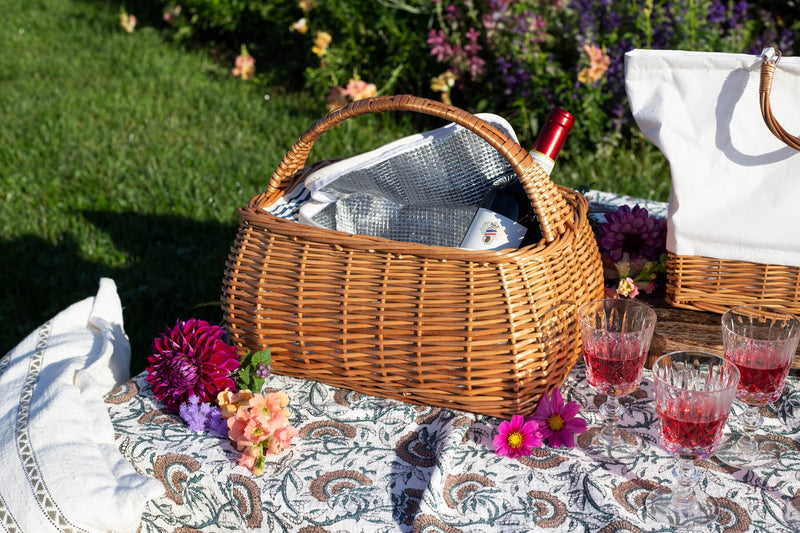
(559, 422)
(517, 437)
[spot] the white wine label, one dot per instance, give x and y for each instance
(492, 231)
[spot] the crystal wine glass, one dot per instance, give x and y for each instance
(694, 392)
(761, 341)
(616, 337)
(791, 512)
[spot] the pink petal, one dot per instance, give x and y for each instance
(568, 440)
(529, 442)
(504, 428)
(501, 446)
(517, 421)
(555, 439)
(575, 425)
(557, 400)
(544, 409)
(570, 410)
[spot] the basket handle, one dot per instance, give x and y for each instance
(770, 61)
(550, 207)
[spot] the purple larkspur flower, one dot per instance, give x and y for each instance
(717, 12)
(202, 416)
(190, 359)
(633, 231)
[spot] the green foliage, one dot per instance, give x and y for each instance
(379, 43)
(517, 59)
(253, 369)
(126, 156)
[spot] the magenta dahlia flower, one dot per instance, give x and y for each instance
(191, 359)
(517, 437)
(559, 422)
(633, 231)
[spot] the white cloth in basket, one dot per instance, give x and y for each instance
(735, 186)
(60, 467)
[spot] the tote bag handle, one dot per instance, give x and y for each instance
(771, 58)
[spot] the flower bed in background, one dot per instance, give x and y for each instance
(515, 58)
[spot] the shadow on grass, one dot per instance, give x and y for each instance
(174, 271)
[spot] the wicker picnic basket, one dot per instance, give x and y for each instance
(480, 331)
(716, 285)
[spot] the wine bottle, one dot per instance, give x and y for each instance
(506, 218)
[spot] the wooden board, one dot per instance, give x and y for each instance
(683, 329)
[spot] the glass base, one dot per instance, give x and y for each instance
(613, 445)
(661, 507)
(792, 512)
(732, 453)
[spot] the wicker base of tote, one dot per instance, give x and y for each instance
(485, 332)
(716, 285)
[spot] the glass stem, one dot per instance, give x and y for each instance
(611, 410)
(751, 420)
(687, 475)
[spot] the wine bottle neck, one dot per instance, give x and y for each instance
(552, 136)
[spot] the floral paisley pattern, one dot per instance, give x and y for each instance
(370, 464)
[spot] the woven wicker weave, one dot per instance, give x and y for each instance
(716, 285)
(486, 332)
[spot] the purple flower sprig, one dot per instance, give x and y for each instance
(254, 370)
(201, 417)
(554, 421)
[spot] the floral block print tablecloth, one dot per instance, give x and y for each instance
(364, 463)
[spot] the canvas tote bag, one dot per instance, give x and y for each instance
(735, 200)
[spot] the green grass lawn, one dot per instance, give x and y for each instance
(127, 156)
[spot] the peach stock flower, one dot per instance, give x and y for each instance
(253, 459)
(128, 22)
(359, 89)
(258, 424)
(443, 84)
(284, 438)
(321, 43)
(598, 65)
(301, 26)
(171, 14)
(628, 288)
(307, 5)
(245, 66)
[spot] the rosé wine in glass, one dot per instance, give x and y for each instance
(684, 433)
(615, 364)
(616, 336)
(761, 341)
(694, 392)
(763, 374)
